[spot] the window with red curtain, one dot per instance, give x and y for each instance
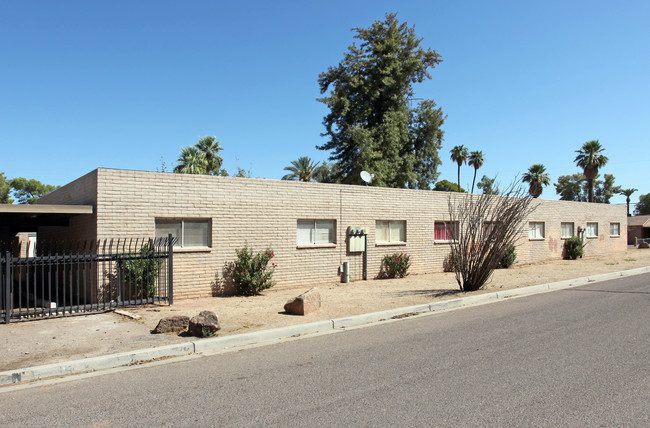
(445, 231)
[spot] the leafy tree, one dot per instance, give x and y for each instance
(448, 186)
(569, 187)
(627, 193)
(29, 191)
(590, 159)
(191, 161)
(576, 188)
(643, 206)
(5, 190)
(604, 190)
(487, 186)
(459, 155)
(476, 160)
(210, 148)
(242, 173)
(536, 177)
(301, 169)
(325, 173)
(371, 125)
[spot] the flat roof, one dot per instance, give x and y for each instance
(28, 218)
(45, 209)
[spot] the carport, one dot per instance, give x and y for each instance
(28, 218)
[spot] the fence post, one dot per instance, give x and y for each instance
(7, 287)
(170, 269)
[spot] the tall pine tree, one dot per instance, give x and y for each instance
(372, 125)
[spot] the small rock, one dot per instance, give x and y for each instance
(304, 304)
(173, 324)
(205, 324)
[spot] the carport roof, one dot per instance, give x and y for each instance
(27, 218)
(639, 220)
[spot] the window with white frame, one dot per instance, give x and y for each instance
(614, 229)
(566, 229)
(445, 230)
(188, 232)
(536, 230)
(316, 232)
(592, 230)
(390, 231)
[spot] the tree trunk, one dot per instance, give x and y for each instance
(535, 189)
(590, 174)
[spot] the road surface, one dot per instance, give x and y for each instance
(576, 357)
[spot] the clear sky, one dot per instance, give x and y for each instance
(124, 84)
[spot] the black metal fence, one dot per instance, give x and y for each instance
(70, 278)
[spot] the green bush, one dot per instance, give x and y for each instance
(508, 258)
(251, 272)
(141, 274)
(573, 248)
(397, 265)
(450, 263)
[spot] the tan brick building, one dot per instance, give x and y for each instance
(306, 224)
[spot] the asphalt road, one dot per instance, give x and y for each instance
(576, 357)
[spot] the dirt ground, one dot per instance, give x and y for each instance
(49, 341)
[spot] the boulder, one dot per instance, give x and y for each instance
(205, 324)
(174, 324)
(304, 304)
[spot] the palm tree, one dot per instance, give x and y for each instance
(210, 148)
(191, 161)
(627, 193)
(536, 177)
(476, 160)
(301, 169)
(459, 155)
(590, 160)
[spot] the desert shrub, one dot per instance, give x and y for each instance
(397, 265)
(573, 248)
(141, 274)
(508, 258)
(251, 272)
(487, 226)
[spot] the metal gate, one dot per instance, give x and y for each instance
(71, 278)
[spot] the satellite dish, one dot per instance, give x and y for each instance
(366, 176)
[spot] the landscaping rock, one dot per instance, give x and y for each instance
(175, 324)
(205, 324)
(304, 304)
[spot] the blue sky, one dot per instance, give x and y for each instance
(122, 84)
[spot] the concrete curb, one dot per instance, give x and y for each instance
(36, 373)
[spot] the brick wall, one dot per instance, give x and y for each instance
(265, 213)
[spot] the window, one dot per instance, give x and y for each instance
(316, 232)
(592, 230)
(614, 229)
(536, 230)
(445, 230)
(189, 233)
(566, 230)
(391, 231)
